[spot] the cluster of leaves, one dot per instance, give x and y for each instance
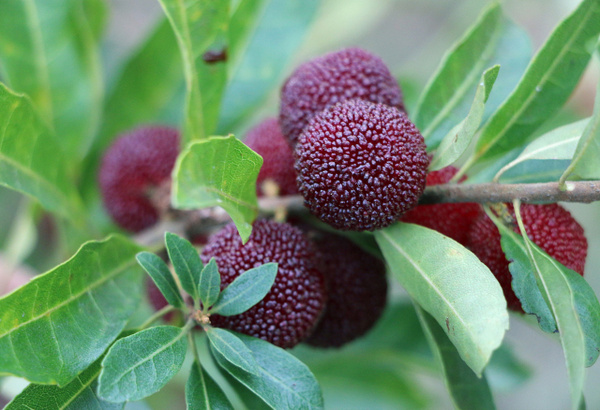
(483, 107)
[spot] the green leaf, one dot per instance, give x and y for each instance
(466, 389)
(162, 277)
(263, 35)
(451, 284)
(62, 321)
(186, 262)
(219, 171)
(25, 143)
(546, 157)
(141, 364)
(49, 51)
(246, 290)
(548, 82)
(202, 393)
(209, 285)
(458, 139)
(283, 382)
(232, 349)
(492, 40)
(506, 371)
(200, 28)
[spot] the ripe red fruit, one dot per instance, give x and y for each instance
(452, 220)
(343, 75)
(356, 289)
(551, 227)
(361, 165)
(135, 165)
(278, 160)
(290, 310)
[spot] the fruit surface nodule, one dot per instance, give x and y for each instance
(361, 165)
(289, 312)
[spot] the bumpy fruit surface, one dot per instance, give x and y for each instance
(278, 160)
(356, 289)
(361, 165)
(332, 78)
(452, 220)
(551, 227)
(289, 312)
(133, 167)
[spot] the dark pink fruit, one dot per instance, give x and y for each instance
(134, 166)
(332, 78)
(292, 307)
(361, 165)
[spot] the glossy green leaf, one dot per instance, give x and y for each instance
(202, 393)
(49, 51)
(548, 82)
(232, 349)
(25, 165)
(141, 364)
(59, 323)
(209, 286)
(283, 382)
(162, 277)
(201, 29)
(263, 35)
(451, 284)
(246, 290)
(466, 389)
(493, 39)
(456, 142)
(186, 262)
(219, 171)
(546, 157)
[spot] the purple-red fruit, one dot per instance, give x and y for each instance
(289, 312)
(551, 227)
(356, 289)
(324, 81)
(452, 220)
(136, 165)
(361, 165)
(267, 140)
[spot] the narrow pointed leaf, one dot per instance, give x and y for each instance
(246, 290)
(141, 364)
(59, 323)
(210, 283)
(219, 171)
(232, 349)
(451, 284)
(162, 277)
(202, 393)
(186, 262)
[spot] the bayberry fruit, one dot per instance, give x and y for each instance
(267, 140)
(361, 165)
(551, 227)
(343, 75)
(135, 165)
(452, 220)
(289, 312)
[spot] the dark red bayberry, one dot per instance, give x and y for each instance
(356, 289)
(278, 160)
(343, 75)
(551, 227)
(135, 165)
(361, 165)
(290, 310)
(452, 220)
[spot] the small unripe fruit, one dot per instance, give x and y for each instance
(135, 165)
(361, 165)
(347, 74)
(267, 140)
(551, 227)
(289, 312)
